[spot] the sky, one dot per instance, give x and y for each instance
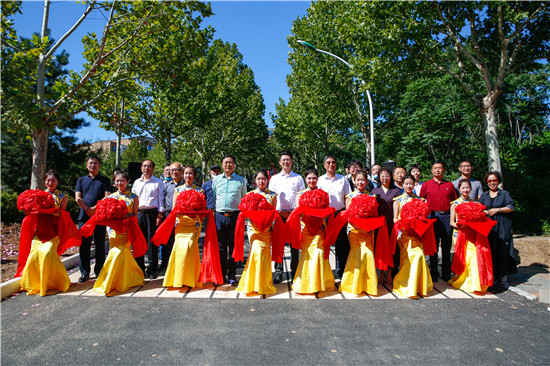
(258, 28)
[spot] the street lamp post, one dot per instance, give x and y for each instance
(313, 48)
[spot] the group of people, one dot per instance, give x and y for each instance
(360, 245)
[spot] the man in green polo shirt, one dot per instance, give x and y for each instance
(227, 191)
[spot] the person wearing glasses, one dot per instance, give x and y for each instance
(337, 187)
(465, 167)
(500, 206)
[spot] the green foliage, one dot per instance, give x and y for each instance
(10, 213)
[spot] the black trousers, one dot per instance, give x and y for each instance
(99, 240)
(341, 247)
(225, 227)
(147, 222)
(443, 236)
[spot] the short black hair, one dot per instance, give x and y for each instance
(229, 156)
(123, 173)
(286, 153)
(408, 176)
(152, 162)
(52, 173)
(464, 161)
(261, 171)
(94, 157)
(362, 172)
(495, 173)
(311, 170)
(328, 156)
(464, 180)
(414, 166)
(438, 162)
(355, 162)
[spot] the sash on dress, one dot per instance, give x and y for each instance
(294, 231)
(263, 220)
(382, 255)
(66, 230)
(475, 232)
(422, 229)
(211, 268)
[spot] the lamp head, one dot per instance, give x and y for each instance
(307, 45)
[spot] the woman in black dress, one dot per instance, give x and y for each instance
(500, 206)
(385, 193)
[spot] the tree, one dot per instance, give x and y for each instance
(129, 26)
(488, 43)
(223, 110)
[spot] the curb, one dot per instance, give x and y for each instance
(520, 292)
(12, 286)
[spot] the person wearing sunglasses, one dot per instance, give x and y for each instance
(500, 207)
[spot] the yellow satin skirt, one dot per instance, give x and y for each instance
(313, 273)
(469, 281)
(257, 277)
(184, 266)
(414, 276)
(360, 271)
(120, 271)
(44, 270)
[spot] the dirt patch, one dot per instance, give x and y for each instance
(9, 241)
(533, 251)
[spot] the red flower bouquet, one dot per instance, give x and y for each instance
(254, 202)
(363, 206)
(34, 200)
(470, 212)
(111, 209)
(415, 209)
(190, 200)
(316, 198)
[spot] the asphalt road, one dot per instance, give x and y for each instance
(79, 330)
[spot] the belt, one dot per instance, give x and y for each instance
(148, 210)
(442, 212)
(229, 214)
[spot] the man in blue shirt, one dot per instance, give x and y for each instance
(215, 170)
(227, 191)
(90, 189)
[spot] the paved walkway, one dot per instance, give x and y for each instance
(154, 288)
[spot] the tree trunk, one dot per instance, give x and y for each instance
(168, 150)
(40, 137)
(39, 151)
(205, 171)
(491, 133)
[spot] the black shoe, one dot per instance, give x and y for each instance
(153, 275)
(446, 277)
(435, 276)
(278, 277)
(84, 278)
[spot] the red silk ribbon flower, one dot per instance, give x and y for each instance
(469, 212)
(415, 209)
(190, 200)
(111, 209)
(363, 206)
(254, 202)
(316, 198)
(34, 200)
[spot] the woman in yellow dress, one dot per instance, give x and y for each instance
(120, 271)
(313, 273)
(360, 271)
(43, 270)
(184, 266)
(257, 278)
(414, 277)
(469, 279)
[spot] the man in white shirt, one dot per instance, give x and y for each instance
(337, 187)
(286, 184)
(150, 192)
